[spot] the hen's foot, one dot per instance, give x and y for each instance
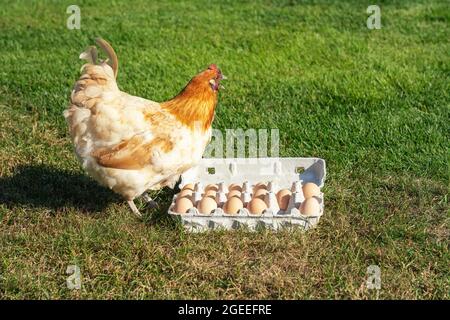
(150, 202)
(134, 208)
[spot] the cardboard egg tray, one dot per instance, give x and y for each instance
(278, 173)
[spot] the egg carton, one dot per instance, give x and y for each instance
(278, 173)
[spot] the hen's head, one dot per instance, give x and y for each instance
(198, 100)
(208, 79)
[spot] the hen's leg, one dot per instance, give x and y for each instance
(152, 203)
(134, 208)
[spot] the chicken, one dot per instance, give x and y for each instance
(130, 144)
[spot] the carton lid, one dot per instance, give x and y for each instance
(282, 171)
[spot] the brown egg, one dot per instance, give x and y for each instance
(183, 204)
(258, 186)
(185, 193)
(210, 193)
(213, 187)
(283, 197)
(233, 205)
(234, 193)
(256, 206)
(311, 190)
(260, 193)
(189, 186)
(207, 205)
(310, 207)
(234, 187)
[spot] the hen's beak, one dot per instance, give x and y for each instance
(222, 77)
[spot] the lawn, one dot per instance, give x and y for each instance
(373, 103)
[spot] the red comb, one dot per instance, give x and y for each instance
(213, 67)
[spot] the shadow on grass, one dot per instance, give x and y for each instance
(40, 186)
(159, 215)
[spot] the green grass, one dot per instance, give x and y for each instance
(373, 103)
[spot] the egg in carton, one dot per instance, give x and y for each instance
(280, 188)
(271, 215)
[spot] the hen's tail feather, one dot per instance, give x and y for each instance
(112, 57)
(90, 55)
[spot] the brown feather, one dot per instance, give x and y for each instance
(196, 103)
(131, 154)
